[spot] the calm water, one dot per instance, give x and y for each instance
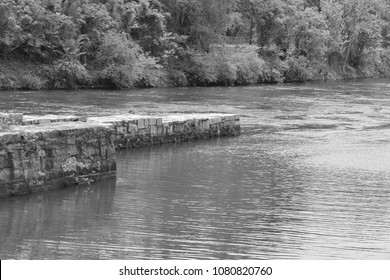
(308, 178)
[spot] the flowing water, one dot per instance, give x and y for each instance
(308, 178)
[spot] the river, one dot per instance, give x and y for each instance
(308, 178)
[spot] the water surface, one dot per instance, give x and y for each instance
(308, 178)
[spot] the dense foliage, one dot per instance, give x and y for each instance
(148, 43)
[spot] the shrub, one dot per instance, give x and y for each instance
(123, 64)
(240, 68)
(31, 81)
(203, 71)
(375, 63)
(176, 77)
(384, 62)
(297, 69)
(120, 76)
(6, 82)
(226, 72)
(250, 68)
(68, 74)
(148, 73)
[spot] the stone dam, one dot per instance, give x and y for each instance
(39, 153)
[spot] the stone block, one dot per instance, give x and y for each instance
(71, 140)
(121, 130)
(3, 189)
(118, 123)
(215, 120)
(141, 123)
(178, 127)
(71, 150)
(160, 130)
(228, 118)
(159, 121)
(132, 128)
(82, 119)
(204, 124)
(153, 130)
(229, 122)
(5, 175)
(10, 137)
(3, 161)
(44, 121)
(143, 132)
(152, 122)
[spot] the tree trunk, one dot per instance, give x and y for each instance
(347, 54)
(251, 32)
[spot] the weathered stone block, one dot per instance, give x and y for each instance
(152, 122)
(5, 175)
(3, 189)
(204, 124)
(132, 128)
(229, 118)
(141, 123)
(153, 130)
(160, 130)
(82, 119)
(229, 122)
(118, 123)
(143, 132)
(215, 120)
(44, 121)
(178, 127)
(121, 129)
(10, 137)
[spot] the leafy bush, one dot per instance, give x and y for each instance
(31, 81)
(203, 69)
(119, 76)
(375, 63)
(297, 69)
(226, 72)
(250, 68)
(385, 62)
(240, 68)
(176, 77)
(6, 82)
(68, 74)
(123, 64)
(148, 72)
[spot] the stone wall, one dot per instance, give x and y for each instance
(36, 158)
(134, 131)
(55, 151)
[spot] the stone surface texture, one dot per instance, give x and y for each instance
(133, 131)
(47, 152)
(36, 158)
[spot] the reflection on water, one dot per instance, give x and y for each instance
(308, 178)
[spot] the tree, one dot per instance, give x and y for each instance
(355, 26)
(203, 21)
(309, 34)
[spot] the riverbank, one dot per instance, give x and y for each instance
(224, 65)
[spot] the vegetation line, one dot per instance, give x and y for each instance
(60, 44)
